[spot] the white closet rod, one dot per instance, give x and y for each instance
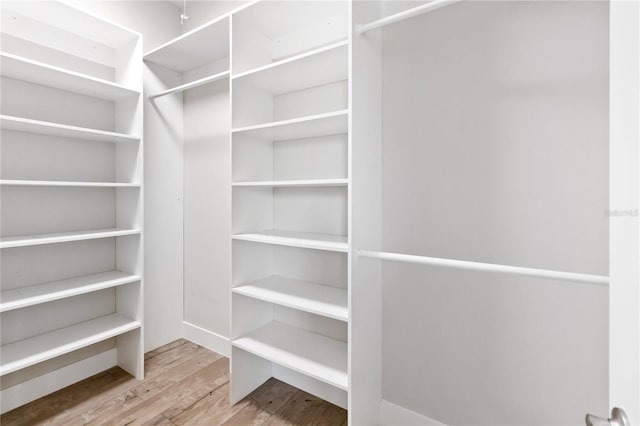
(406, 14)
(487, 267)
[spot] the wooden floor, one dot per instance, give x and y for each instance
(185, 384)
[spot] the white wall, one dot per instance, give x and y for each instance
(495, 137)
(159, 22)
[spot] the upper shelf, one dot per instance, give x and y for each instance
(63, 237)
(310, 183)
(331, 123)
(198, 47)
(54, 129)
(42, 293)
(310, 69)
(20, 68)
(297, 239)
(59, 183)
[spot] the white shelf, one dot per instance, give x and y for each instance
(295, 183)
(201, 46)
(28, 352)
(47, 292)
(62, 130)
(310, 297)
(331, 123)
(11, 182)
(326, 65)
(317, 356)
(64, 237)
(192, 84)
(297, 239)
(48, 75)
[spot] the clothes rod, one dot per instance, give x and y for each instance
(487, 267)
(401, 16)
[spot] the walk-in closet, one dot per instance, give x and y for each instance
(320, 212)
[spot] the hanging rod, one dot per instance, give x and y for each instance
(487, 267)
(406, 14)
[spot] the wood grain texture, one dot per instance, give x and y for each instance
(185, 384)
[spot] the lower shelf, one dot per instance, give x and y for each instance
(312, 354)
(31, 351)
(54, 290)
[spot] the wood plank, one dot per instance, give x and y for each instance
(187, 385)
(150, 388)
(299, 410)
(66, 399)
(209, 377)
(114, 400)
(165, 348)
(212, 410)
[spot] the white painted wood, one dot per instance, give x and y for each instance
(330, 123)
(63, 237)
(306, 296)
(20, 68)
(310, 69)
(40, 386)
(401, 16)
(365, 220)
(392, 414)
(14, 182)
(74, 20)
(318, 356)
(487, 267)
(191, 85)
(308, 384)
(624, 207)
(62, 130)
(194, 49)
(297, 239)
(208, 339)
(41, 293)
(25, 353)
(309, 183)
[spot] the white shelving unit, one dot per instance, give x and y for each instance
(297, 239)
(71, 183)
(20, 124)
(290, 189)
(200, 56)
(311, 354)
(327, 301)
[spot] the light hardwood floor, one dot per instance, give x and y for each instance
(185, 384)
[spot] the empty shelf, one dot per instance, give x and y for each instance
(297, 239)
(201, 46)
(326, 65)
(64, 237)
(10, 182)
(331, 123)
(295, 183)
(192, 84)
(47, 292)
(54, 129)
(310, 297)
(25, 353)
(317, 356)
(59, 78)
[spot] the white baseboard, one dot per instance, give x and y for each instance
(392, 414)
(206, 338)
(40, 386)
